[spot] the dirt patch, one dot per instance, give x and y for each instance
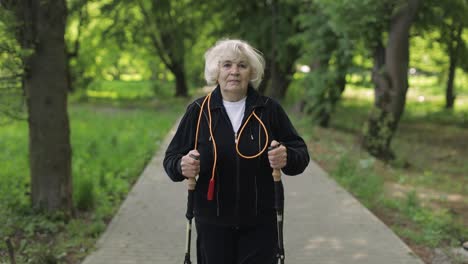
(391, 218)
(457, 204)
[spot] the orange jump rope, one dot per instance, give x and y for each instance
(212, 180)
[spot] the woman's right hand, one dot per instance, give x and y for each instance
(190, 164)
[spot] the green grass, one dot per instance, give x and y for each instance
(359, 177)
(110, 146)
(124, 92)
(427, 227)
(125, 89)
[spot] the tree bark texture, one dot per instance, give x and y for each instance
(279, 71)
(278, 82)
(278, 76)
(337, 87)
(391, 83)
(454, 51)
(181, 83)
(46, 88)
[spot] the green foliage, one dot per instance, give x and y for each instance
(432, 228)
(110, 148)
(329, 53)
(103, 156)
(165, 31)
(427, 55)
(351, 17)
(357, 176)
(321, 93)
(11, 70)
(85, 194)
(110, 45)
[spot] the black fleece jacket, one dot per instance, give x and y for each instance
(244, 192)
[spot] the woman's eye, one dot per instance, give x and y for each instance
(226, 65)
(243, 66)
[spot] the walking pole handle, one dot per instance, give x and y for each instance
(276, 175)
(191, 182)
(276, 172)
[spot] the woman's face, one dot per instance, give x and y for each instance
(234, 76)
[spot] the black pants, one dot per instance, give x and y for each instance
(237, 245)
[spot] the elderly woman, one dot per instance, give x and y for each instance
(222, 139)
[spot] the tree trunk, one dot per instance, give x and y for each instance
(46, 88)
(266, 77)
(337, 88)
(391, 84)
(181, 83)
(453, 57)
(275, 80)
(279, 68)
(168, 38)
(379, 77)
(334, 95)
(278, 83)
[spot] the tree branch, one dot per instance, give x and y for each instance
(76, 44)
(156, 42)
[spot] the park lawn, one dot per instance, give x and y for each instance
(112, 141)
(423, 194)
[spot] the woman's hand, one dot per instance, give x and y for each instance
(190, 164)
(278, 157)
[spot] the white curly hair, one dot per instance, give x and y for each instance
(215, 54)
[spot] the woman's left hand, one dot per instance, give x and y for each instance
(278, 157)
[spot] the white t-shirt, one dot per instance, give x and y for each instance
(235, 111)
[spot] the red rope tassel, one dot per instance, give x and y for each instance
(211, 190)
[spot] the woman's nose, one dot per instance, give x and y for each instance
(235, 69)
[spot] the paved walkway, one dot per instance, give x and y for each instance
(323, 224)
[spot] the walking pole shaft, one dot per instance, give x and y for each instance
(189, 215)
(279, 206)
(191, 184)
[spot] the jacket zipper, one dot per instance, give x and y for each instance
(237, 198)
(236, 139)
(217, 197)
(258, 166)
(237, 207)
(237, 187)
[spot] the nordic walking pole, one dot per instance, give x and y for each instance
(279, 206)
(191, 183)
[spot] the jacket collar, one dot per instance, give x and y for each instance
(254, 100)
